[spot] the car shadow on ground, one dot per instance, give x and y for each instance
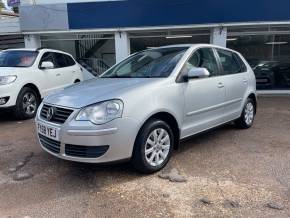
(124, 171)
(202, 139)
(6, 116)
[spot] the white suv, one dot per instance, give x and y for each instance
(28, 75)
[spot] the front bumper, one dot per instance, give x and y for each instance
(118, 136)
(10, 91)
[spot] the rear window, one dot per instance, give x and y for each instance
(231, 62)
(17, 58)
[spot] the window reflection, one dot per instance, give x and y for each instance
(268, 55)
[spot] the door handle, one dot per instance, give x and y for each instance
(220, 85)
(245, 81)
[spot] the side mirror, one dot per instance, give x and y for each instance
(198, 72)
(46, 65)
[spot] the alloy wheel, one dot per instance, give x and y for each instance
(157, 147)
(249, 113)
(29, 103)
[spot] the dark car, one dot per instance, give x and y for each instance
(272, 74)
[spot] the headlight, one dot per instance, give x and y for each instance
(4, 80)
(102, 112)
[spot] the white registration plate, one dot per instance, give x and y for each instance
(48, 131)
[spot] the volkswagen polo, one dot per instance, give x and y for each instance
(141, 108)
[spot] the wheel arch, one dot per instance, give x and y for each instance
(34, 87)
(254, 98)
(170, 120)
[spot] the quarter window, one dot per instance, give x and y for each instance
(230, 62)
(203, 57)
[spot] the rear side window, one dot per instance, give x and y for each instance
(69, 61)
(231, 62)
(60, 60)
(241, 63)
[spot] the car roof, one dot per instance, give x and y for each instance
(37, 49)
(196, 46)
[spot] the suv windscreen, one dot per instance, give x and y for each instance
(17, 58)
(154, 63)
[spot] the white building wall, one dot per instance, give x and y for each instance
(32, 41)
(122, 46)
(219, 36)
(9, 26)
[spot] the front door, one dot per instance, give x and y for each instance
(204, 97)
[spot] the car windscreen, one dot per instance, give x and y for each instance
(153, 63)
(17, 58)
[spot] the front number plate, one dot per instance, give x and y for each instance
(48, 131)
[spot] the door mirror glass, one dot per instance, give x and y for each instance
(47, 65)
(198, 72)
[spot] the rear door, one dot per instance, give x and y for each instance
(65, 71)
(235, 80)
(204, 97)
(49, 77)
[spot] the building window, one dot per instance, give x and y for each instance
(269, 56)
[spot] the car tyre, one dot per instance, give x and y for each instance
(26, 104)
(154, 139)
(247, 117)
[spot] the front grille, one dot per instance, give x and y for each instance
(49, 144)
(85, 151)
(59, 116)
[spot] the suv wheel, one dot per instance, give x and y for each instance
(247, 118)
(26, 104)
(153, 146)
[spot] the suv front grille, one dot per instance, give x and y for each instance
(59, 116)
(49, 144)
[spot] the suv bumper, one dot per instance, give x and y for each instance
(8, 91)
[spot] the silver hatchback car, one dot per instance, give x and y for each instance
(139, 109)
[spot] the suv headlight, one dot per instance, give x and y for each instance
(102, 112)
(4, 80)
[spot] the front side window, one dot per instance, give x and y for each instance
(154, 63)
(47, 57)
(229, 62)
(17, 58)
(204, 58)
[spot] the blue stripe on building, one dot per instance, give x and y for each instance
(139, 13)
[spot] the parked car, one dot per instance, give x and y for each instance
(270, 74)
(28, 75)
(265, 76)
(141, 108)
